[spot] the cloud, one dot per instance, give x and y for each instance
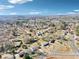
(34, 13)
(59, 14)
(18, 1)
(70, 13)
(73, 12)
(67, 13)
(4, 7)
(76, 10)
(13, 13)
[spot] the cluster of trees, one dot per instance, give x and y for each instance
(77, 30)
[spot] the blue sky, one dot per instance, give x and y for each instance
(39, 7)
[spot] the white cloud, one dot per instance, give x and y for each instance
(59, 14)
(4, 7)
(34, 13)
(73, 12)
(18, 1)
(10, 6)
(67, 13)
(70, 13)
(13, 13)
(76, 10)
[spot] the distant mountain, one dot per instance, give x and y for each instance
(23, 17)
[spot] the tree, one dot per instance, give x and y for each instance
(0, 56)
(63, 25)
(2, 48)
(77, 30)
(13, 52)
(27, 56)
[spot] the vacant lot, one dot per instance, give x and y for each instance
(63, 57)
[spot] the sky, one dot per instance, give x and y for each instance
(39, 7)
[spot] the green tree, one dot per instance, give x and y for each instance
(77, 30)
(27, 56)
(13, 52)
